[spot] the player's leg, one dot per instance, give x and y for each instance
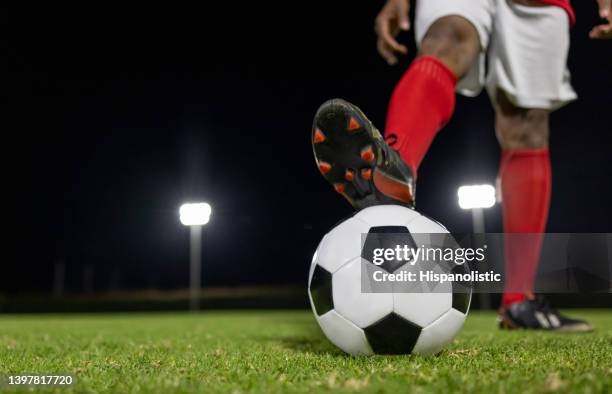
(525, 181)
(527, 80)
(424, 99)
(348, 147)
(452, 37)
(351, 153)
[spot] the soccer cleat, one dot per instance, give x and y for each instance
(537, 314)
(353, 156)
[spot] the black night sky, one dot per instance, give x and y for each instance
(116, 116)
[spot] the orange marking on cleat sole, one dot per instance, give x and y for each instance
(339, 187)
(353, 124)
(366, 173)
(319, 136)
(324, 167)
(349, 175)
(393, 188)
(367, 153)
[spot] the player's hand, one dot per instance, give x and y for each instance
(603, 31)
(390, 21)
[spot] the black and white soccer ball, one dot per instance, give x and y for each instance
(393, 322)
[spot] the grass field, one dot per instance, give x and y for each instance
(285, 352)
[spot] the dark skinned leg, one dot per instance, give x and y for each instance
(454, 41)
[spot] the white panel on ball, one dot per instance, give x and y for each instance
(439, 333)
(344, 334)
(387, 215)
(359, 307)
(341, 244)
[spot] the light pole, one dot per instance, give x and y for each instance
(476, 198)
(195, 216)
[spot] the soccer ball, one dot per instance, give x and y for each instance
(392, 321)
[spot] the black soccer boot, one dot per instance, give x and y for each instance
(353, 156)
(537, 314)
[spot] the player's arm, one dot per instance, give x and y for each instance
(390, 21)
(603, 31)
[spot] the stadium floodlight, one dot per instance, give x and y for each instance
(476, 196)
(195, 215)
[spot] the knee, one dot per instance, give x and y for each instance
(523, 129)
(454, 41)
(520, 128)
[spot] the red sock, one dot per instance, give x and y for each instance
(525, 184)
(423, 101)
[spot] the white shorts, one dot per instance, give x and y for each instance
(526, 46)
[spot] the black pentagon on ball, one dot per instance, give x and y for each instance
(392, 335)
(462, 290)
(321, 290)
(387, 237)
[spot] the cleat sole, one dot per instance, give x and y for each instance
(352, 153)
(366, 173)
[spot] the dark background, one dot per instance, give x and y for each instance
(116, 116)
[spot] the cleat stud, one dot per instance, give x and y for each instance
(339, 187)
(353, 124)
(366, 173)
(324, 167)
(367, 153)
(349, 175)
(318, 136)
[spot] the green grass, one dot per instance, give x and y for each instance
(285, 352)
